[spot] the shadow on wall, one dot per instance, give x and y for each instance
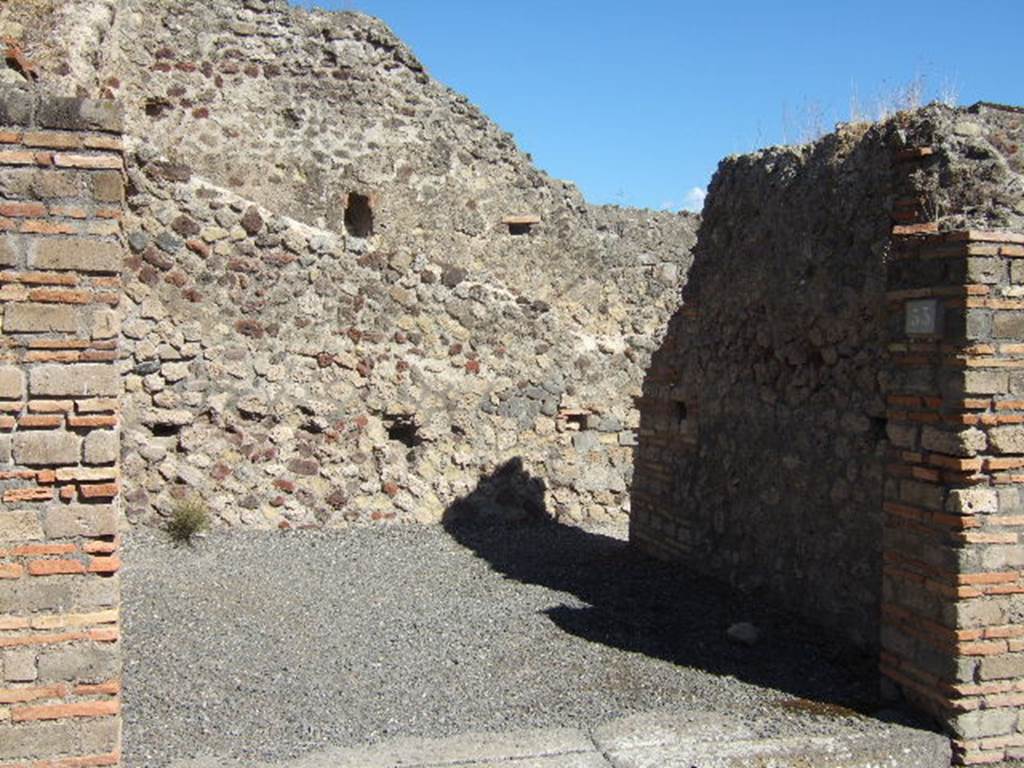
(639, 604)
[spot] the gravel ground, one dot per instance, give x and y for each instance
(263, 646)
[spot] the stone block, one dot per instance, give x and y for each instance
(107, 187)
(5, 449)
(41, 318)
(76, 114)
(55, 184)
(101, 447)
(985, 269)
(985, 382)
(972, 501)
(1001, 667)
(19, 525)
(12, 383)
(47, 449)
(1008, 325)
(901, 435)
(106, 324)
(93, 736)
(964, 442)
(82, 380)
(79, 253)
(65, 521)
(984, 722)
(8, 252)
(59, 593)
(86, 663)
(16, 106)
(20, 666)
(1007, 439)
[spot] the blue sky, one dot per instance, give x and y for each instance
(637, 101)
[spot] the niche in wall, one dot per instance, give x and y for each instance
(520, 225)
(358, 215)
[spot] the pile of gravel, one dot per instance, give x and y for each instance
(262, 646)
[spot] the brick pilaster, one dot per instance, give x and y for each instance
(61, 197)
(953, 573)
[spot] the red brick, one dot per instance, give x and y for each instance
(41, 278)
(53, 357)
(9, 137)
(982, 648)
(54, 567)
(72, 160)
(992, 577)
(61, 711)
(52, 140)
(44, 549)
(99, 491)
(51, 406)
(924, 228)
(78, 422)
(10, 571)
(21, 695)
(109, 688)
(69, 211)
(55, 639)
(105, 635)
(18, 474)
(100, 297)
(17, 157)
(55, 296)
(9, 208)
(105, 565)
(104, 142)
(36, 227)
(101, 547)
(27, 494)
(41, 421)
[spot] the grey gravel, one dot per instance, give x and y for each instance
(265, 646)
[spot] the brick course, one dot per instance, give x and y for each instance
(59, 398)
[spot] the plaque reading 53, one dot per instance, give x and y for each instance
(921, 317)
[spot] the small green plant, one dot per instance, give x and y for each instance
(189, 517)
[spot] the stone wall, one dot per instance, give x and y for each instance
(291, 376)
(351, 295)
(832, 418)
(61, 189)
(762, 427)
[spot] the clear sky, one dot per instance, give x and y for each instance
(637, 101)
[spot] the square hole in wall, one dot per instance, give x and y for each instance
(520, 225)
(358, 215)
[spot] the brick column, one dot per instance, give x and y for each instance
(953, 587)
(61, 196)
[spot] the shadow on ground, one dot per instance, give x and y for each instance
(639, 604)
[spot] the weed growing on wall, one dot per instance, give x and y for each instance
(190, 517)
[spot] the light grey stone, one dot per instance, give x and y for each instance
(78, 380)
(47, 449)
(82, 254)
(12, 382)
(67, 520)
(20, 525)
(101, 446)
(20, 666)
(41, 318)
